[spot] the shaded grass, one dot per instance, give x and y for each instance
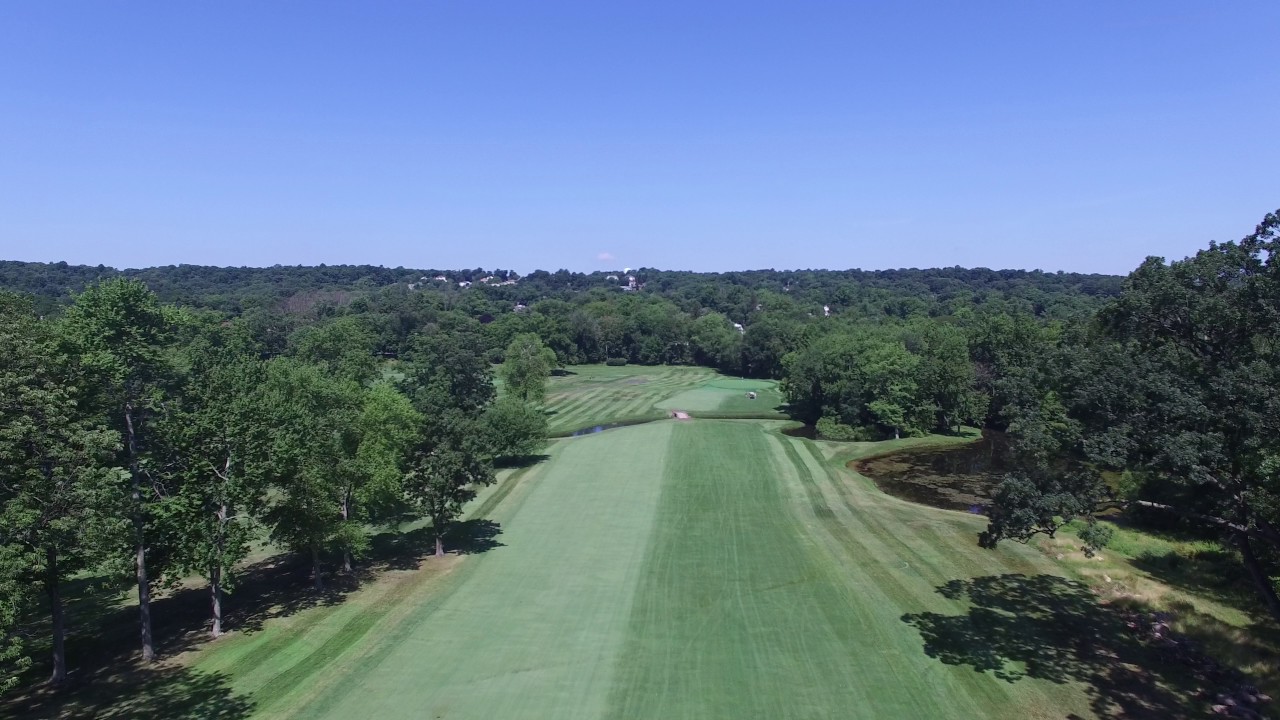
(272, 609)
(1202, 586)
(1200, 589)
(1044, 626)
(160, 693)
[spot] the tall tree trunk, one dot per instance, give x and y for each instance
(56, 612)
(215, 598)
(215, 568)
(315, 567)
(1260, 577)
(346, 515)
(139, 536)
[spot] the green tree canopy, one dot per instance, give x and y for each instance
(526, 365)
(1182, 388)
(122, 336)
(59, 499)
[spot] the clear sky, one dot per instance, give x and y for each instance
(1067, 135)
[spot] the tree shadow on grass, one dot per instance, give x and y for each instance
(1213, 573)
(520, 461)
(278, 587)
(407, 550)
(1055, 629)
(471, 537)
(158, 693)
(103, 629)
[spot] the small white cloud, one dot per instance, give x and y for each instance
(605, 257)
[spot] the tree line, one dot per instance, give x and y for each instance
(1165, 404)
(161, 442)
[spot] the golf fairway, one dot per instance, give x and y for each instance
(697, 569)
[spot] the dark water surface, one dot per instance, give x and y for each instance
(956, 478)
(804, 431)
(592, 429)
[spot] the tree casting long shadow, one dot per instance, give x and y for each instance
(160, 693)
(108, 683)
(1055, 629)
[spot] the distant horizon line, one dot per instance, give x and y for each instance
(553, 272)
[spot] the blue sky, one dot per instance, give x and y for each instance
(1079, 136)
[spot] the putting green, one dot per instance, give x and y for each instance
(599, 394)
(701, 569)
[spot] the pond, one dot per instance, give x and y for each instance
(593, 429)
(808, 432)
(956, 478)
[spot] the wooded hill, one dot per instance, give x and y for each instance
(284, 288)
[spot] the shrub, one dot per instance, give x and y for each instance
(616, 362)
(831, 429)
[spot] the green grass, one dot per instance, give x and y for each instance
(770, 590)
(599, 394)
(1202, 584)
(673, 570)
(701, 569)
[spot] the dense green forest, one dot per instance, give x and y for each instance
(152, 421)
(740, 322)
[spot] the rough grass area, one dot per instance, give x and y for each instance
(1199, 585)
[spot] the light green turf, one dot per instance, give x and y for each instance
(599, 394)
(680, 569)
(532, 628)
(773, 589)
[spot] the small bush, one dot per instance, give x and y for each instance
(616, 362)
(832, 429)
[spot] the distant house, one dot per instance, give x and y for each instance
(439, 278)
(826, 311)
(739, 328)
(488, 279)
(464, 284)
(611, 278)
(520, 307)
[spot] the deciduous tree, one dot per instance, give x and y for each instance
(1182, 387)
(526, 365)
(218, 438)
(58, 496)
(121, 334)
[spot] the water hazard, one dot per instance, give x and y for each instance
(956, 478)
(592, 429)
